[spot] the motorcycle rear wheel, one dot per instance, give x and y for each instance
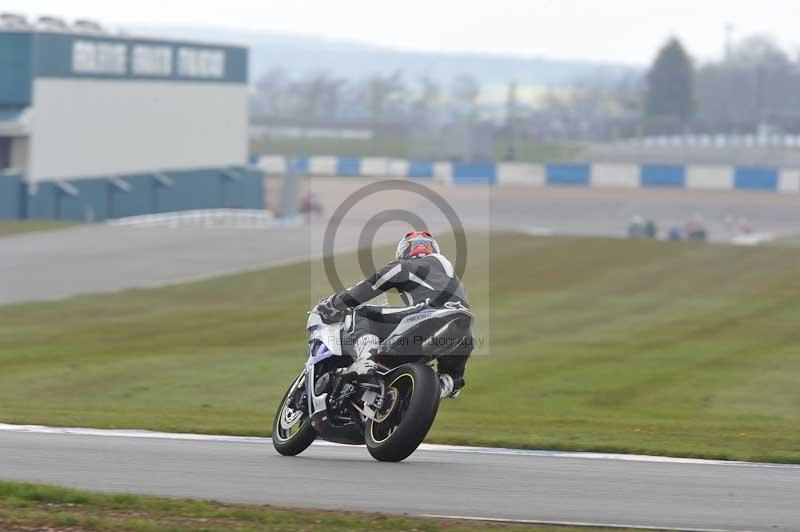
(296, 433)
(405, 427)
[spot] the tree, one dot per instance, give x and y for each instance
(512, 117)
(465, 93)
(383, 91)
(757, 87)
(670, 87)
(427, 99)
(271, 91)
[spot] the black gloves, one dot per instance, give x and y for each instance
(327, 311)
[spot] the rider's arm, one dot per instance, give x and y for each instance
(386, 278)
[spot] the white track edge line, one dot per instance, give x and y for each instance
(148, 434)
(576, 523)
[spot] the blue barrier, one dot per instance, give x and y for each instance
(567, 174)
(746, 178)
(420, 170)
(297, 165)
(661, 175)
(474, 173)
(649, 175)
(348, 166)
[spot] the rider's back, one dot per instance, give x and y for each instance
(430, 278)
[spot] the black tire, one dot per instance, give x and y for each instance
(400, 434)
(298, 441)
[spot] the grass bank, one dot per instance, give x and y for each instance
(595, 344)
(402, 147)
(27, 507)
(13, 227)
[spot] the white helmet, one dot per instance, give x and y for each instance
(416, 244)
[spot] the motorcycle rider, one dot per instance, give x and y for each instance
(424, 277)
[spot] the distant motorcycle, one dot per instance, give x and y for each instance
(391, 411)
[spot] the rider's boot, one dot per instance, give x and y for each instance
(450, 387)
(366, 348)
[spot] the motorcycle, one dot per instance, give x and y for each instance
(390, 410)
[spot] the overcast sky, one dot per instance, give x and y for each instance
(626, 31)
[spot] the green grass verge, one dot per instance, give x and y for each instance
(596, 344)
(13, 227)
(396, 146)
(38, 507)
(792, 241)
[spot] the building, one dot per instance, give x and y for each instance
(96, 126)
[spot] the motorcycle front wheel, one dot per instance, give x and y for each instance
(292, 432)
(413, 390)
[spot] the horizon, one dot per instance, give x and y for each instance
(621, 32)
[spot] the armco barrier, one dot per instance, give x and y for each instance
(298, 165)
(420, 170)
(567, 174)
(606, 175)
(348, 166)
(658, 175)
(474, 173)
(756, 179)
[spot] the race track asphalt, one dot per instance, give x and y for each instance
(105, 258)
(549, 487)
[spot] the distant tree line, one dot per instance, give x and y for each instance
(389, 100)
(755, 88)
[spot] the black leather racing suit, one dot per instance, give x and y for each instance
(429, 280)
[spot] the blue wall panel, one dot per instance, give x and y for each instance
(11, 191)
(16, 69)
(659, 175)
(567, 174)
(348, 166)
(474, 173)
(420, 170)
(252, 189)
(755, 178)
(195, 189)
(233, 190)
(42, 201)
(139, 200)
(100, 199)
(91, 203)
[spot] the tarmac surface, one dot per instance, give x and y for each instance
(107, 258)
(458, 482)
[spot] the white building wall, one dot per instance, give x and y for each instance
(19, 153)
(89, 128)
